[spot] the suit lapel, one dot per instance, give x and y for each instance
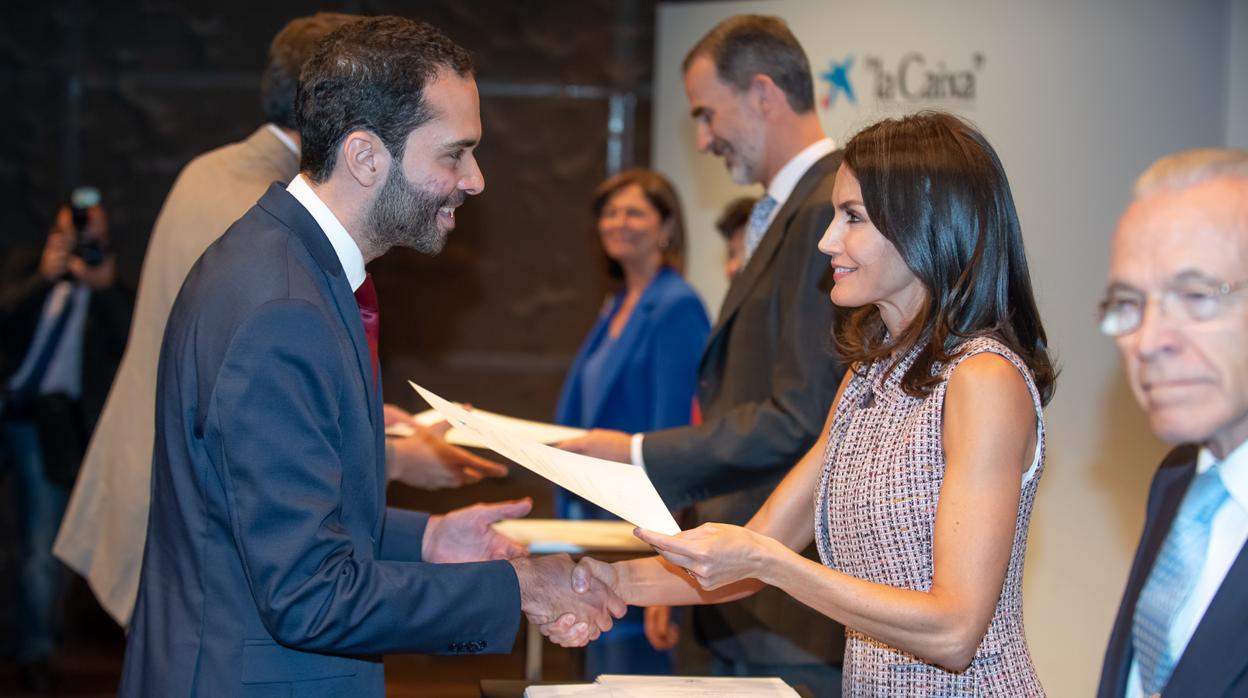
(278, 202)
(1166, 493)
(625, 345)
(761, 260)
(1215, 656)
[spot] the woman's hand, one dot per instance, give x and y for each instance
(715, 554)
(662, 632)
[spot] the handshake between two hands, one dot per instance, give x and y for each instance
(573, 614)
(573, 603)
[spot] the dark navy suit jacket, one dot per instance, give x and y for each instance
(651, 374)
(1215, 663)
(272, 565)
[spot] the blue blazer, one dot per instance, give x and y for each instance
(1215, 662)
(650, 376)
(272, 566)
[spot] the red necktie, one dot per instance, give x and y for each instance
(366, 298)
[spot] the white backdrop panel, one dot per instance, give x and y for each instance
(1077, 97)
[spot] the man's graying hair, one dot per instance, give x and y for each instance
(748, 45)
(1191, 167)
(370, 75)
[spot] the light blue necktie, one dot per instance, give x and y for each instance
(1173, 576)
(760, 215)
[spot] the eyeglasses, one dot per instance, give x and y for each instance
(1122, 311)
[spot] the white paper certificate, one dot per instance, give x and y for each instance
(537, 431)
(621, 488)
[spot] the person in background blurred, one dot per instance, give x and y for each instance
(731, 225)
(1175, 305)
(637, 369)
(63, 323)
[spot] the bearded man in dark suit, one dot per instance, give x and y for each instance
(273, 566)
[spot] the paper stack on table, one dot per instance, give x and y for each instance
(621, 488)
(618, 686)
(574, 537)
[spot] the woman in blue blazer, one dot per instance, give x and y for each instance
(637, 370)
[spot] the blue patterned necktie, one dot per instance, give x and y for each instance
(760, 215)
(1173, 576)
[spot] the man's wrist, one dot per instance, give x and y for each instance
(431, 531)
(523, 567)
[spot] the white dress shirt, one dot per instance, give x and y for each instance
(344, 245)
(63, 373)
(780, 187)
(1227, 536)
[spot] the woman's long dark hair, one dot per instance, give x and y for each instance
(935, 188)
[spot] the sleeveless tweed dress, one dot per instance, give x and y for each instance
(875, 513)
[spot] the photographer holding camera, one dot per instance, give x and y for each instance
(63, 324)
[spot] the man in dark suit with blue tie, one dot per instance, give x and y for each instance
(272, 565)
(1177, 306)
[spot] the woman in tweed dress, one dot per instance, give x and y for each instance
(924, 479)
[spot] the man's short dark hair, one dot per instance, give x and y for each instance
(291, 48)
(734, 216)
(370, 75)
(747, 45)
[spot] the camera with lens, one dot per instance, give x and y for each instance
(91, 250)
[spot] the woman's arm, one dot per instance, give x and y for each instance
(989, 434)
(785, 519)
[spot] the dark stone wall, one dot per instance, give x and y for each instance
(123, 94)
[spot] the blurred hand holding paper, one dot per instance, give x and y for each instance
(537, 431)
(621, 488)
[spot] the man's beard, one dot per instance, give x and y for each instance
(407, 216)
(743, 165)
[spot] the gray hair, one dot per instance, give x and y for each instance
(744, 46)
(1191, 167)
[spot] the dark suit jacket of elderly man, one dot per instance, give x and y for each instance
(766, 382)
(272, 565)
(1215, 662)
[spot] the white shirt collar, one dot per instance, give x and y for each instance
(285, 139)
(786, 179)
(348, 252)
(1234, 471)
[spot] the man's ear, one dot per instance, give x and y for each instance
(365, 158)
(763, 94)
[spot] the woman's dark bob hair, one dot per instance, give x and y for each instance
(935, 189)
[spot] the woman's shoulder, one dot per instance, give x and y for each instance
(985, 362)
(982, 345)
(671, 291)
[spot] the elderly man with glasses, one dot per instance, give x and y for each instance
(1177, 308)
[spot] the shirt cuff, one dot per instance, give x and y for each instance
(635, 451)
